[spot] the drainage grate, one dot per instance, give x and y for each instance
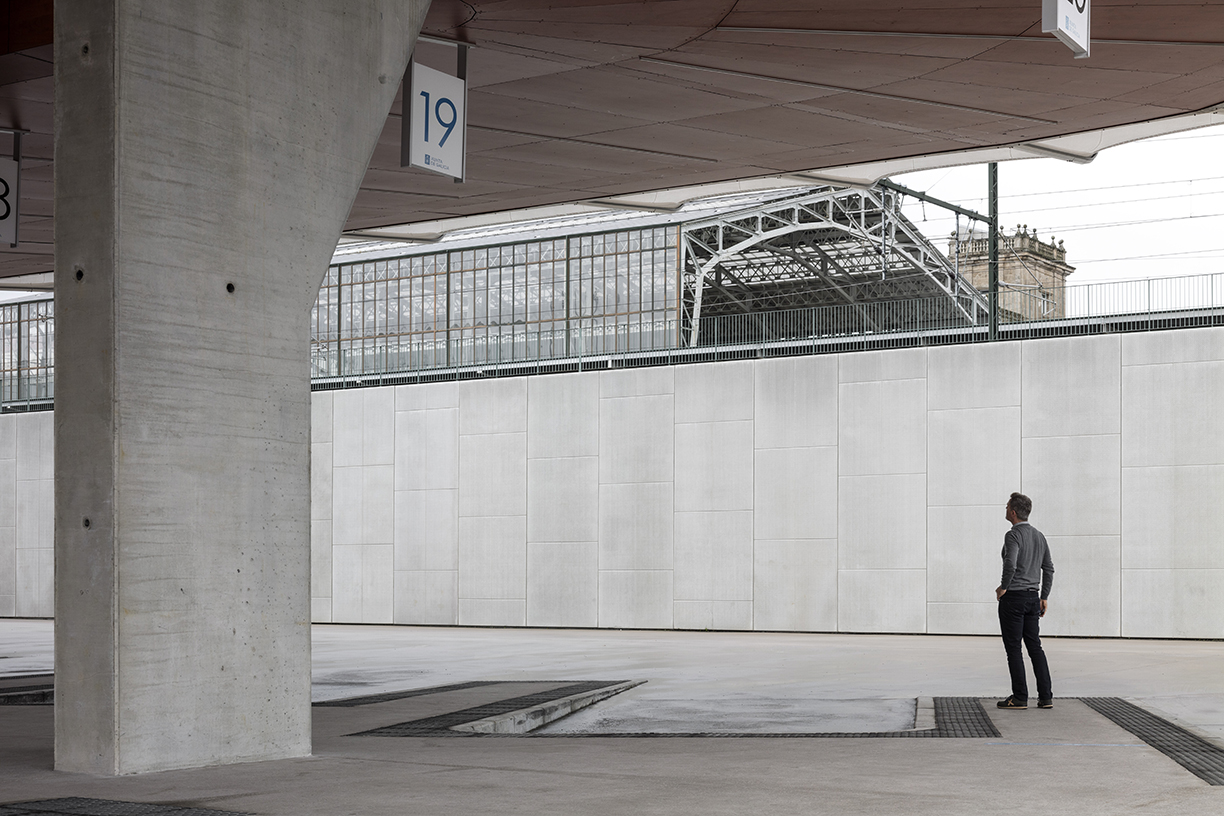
(1192, 752)
(441, 724)
(77, 806)
(387, 697)
(28, 695)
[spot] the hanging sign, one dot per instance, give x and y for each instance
(437, 121)
(1068, 21)
(10, 177)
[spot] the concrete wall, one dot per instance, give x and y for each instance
(862, 492)
(27, 514)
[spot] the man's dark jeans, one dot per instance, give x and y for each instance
(1019, 616)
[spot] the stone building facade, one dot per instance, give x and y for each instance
(1032, 273)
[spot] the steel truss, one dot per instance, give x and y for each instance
(832, 246)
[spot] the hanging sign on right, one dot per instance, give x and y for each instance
(1068, 21)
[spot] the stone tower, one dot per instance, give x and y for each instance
(1032, 273)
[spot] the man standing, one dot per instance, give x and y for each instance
(1026, 556)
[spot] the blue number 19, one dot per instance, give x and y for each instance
(437, 112)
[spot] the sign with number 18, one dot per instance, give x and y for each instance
(437, 120)
(9, 171)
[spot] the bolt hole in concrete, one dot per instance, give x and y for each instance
(80, 273)
(85, 523)
(229, 287)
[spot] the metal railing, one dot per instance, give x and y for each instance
(27, 375)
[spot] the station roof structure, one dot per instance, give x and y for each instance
(596, 103)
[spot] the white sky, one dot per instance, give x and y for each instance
(1149, 209)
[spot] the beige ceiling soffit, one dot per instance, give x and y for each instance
(415, 238)
(26, 287)
(841, 89)
(945, 36)
(590, 143)
(836, 181)
(29, 248)
(630, 205)
(1055, 153)
(429, 38)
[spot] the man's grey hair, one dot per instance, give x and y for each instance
(1021, 505)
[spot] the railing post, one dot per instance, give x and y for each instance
(992, 192)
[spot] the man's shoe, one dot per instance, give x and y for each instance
(1045, 703)
(1012, 702)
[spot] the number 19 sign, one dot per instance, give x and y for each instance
(437, 122)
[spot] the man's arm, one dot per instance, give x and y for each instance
(1047, 576)
(1011, 551)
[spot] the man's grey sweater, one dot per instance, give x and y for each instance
(1026, 560)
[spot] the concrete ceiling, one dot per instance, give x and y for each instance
(591, 99)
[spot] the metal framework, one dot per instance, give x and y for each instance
(834, 246)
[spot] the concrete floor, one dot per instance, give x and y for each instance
(1068, 759)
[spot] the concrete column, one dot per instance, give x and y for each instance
(206, 157)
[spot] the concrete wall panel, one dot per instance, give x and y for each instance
(1172, 603)
(713, 556)
(637, 439)
(493, 558)
(1075, 483)
(635, 599)
(721, 393)
(882, 522)
(493, 475)
(635, 526)
(563, 415)
(979, 618)
(1171, 517)
(1155, 348)
(795, 493)
(427, 449)
(490, 612)
(881, 600)
(1172, 414)
(879, 366)
(795, 402)
(493, 406)
(973, 455)
(714, 466)
(426, 597)
(973, 376)
(378, 426)
(795, 585)
(562, 583)
(1072, 386)
(882, 427)
(1087, 586)
(563, 499)
(427, 530)
(637, 382)
(963, 552)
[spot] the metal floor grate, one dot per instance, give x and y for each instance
(78, 806)
(441, 724)
(1192, 752)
